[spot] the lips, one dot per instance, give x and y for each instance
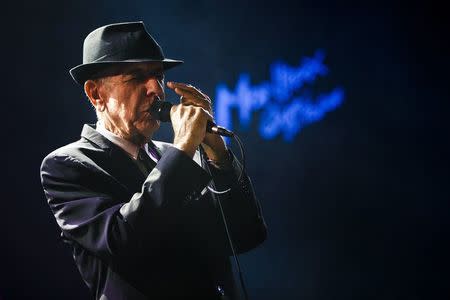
(147, 111)
(146, 114)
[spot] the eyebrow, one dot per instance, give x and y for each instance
(138, 71)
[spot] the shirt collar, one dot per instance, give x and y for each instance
(129, 147)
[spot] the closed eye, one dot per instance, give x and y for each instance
(143, 76)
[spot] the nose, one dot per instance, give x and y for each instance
(155, 85)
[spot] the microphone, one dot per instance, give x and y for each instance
(160, 110)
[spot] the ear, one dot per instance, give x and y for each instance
(91, 89)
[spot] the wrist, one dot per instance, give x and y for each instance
(186, 148)
(218, 156)
(223, 164)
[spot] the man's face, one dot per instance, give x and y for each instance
(128, 98)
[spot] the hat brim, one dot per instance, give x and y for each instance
(83, 72)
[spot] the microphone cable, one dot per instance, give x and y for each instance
(219, 193)
(160, 110)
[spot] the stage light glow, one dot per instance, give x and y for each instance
(284, 103)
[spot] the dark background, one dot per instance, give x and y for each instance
(357, 206)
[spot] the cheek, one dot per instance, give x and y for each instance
(119, 111)
(125, 106)
(133, 107)
(114, 108)
(125, 111)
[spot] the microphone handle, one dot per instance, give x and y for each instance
(211, 127)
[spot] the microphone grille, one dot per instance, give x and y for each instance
(160, 110)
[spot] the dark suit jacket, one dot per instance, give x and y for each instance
(154, 237)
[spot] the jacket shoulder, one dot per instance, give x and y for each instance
(80, 152)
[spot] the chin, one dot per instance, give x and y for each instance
(144, 131)
(151, 129)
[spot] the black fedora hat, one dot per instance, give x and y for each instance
(120, 43)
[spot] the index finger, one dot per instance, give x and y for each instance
(189, 88)
(180, 85)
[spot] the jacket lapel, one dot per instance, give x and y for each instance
(116, 164)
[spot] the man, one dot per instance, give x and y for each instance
(137, 213)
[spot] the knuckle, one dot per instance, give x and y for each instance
(206, 113)
(194, 110)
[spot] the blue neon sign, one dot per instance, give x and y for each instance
(285, 108)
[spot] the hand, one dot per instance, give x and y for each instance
(189, 126)
(192, 97)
